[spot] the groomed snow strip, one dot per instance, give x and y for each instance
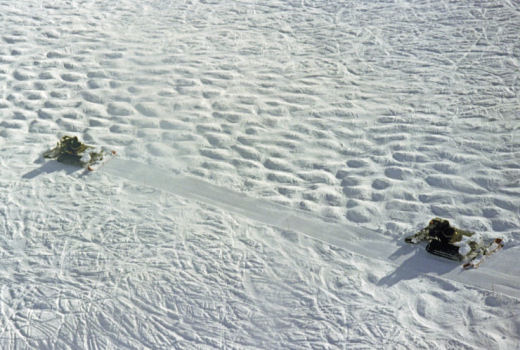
(497, 274)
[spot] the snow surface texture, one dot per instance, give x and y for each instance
(370, 115)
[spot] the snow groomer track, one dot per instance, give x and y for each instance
(496, 274)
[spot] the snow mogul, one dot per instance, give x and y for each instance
(453, 243)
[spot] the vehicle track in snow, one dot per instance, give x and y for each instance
(497, 274)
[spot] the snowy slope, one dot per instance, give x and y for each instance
(500, 275)
(272, 156)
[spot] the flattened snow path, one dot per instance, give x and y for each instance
(497, 274)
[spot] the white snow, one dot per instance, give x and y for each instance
(465, 244)
(271, 157)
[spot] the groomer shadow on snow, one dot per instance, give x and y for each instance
(419, 263)
(50, 167)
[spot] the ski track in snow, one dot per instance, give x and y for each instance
(373, 115)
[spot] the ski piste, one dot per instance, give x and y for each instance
(493, 247)
(499, 275)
